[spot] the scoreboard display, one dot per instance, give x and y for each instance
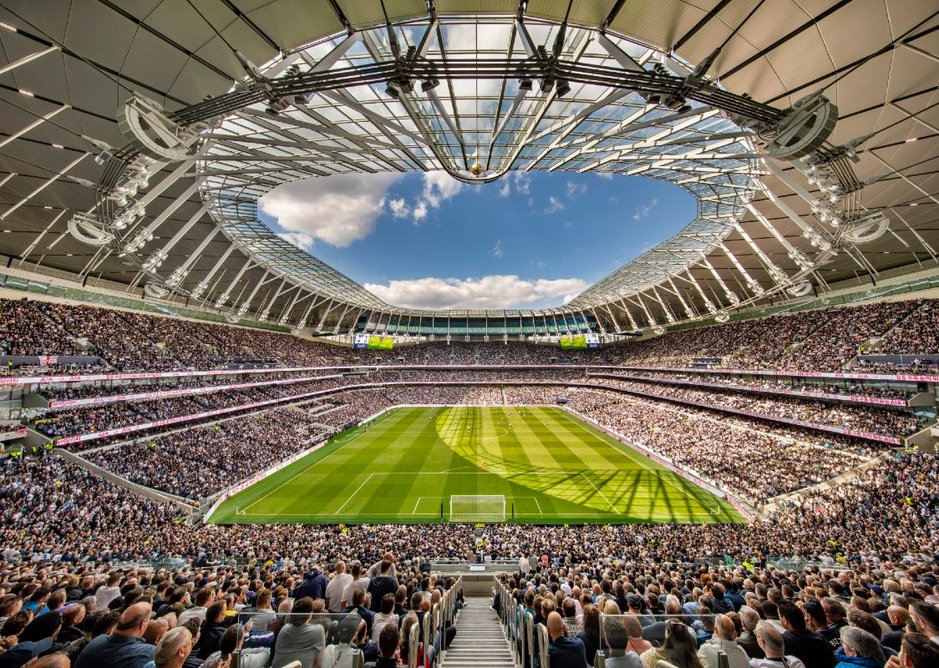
(581, 341)
(372, 342)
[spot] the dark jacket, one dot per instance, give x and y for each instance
(893, 639)
(369, 616)
(313, 585)
(735, 599)
(567, 653)
(747, 640)
(832, 633)
(209, 635)
(378, 586)
(811, 648)
(591, 645)
(115, 651)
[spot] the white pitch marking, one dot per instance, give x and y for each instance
(602, 495)
(353, 495)
(658, 474)
(301, 472)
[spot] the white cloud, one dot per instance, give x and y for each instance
(335, 209)
(554, 205)
(438, 188)
(643, 210)
(605, 175)
(301, 240)
(495, 291)
(497, 251)
(420, 211)
(520, 181)
(574, 189)
(399, 208)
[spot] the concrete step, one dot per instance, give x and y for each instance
(479, 641)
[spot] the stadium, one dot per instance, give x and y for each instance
(514, 333)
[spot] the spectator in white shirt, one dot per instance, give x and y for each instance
(337, 587)
(773, 646)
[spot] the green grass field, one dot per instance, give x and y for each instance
(551, 467)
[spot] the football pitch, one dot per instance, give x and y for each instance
(403, 468)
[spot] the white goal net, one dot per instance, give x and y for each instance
(477, 508)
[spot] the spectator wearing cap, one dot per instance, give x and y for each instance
(22, 653)
(125, 647)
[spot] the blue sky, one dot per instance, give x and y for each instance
(425, 240)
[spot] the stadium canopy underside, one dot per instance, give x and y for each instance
(138, 136)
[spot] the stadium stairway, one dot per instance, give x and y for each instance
(479, 641)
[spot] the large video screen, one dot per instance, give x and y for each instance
(371, 342)
(580, 341)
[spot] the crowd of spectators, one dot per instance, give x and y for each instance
(54, 510)
(818, 340)
(915, 335)
(865, 418)
(782, 384)
(87, 419)
(309, 611)
(719, 450)
(702, 441)
(23, 331)
(196, 463)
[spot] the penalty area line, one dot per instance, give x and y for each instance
(306, 468)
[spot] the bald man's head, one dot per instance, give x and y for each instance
(173, 648)
(555, 626)
(724, 628)
(57, 660)
(898, 615)
(133, 621)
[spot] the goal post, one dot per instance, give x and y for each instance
(470, 509)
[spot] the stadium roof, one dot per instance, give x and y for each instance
(99, 184)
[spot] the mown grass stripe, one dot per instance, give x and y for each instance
(539, 457)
